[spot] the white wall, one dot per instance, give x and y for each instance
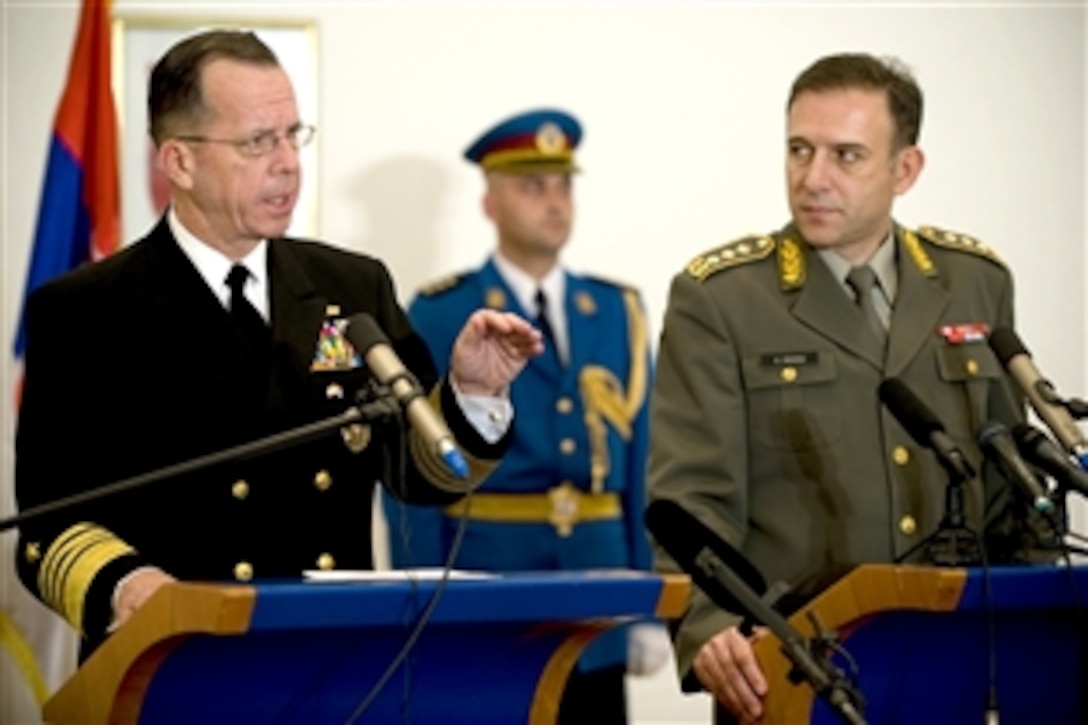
(683, 107)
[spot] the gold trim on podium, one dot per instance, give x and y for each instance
(675, 596)
(110, 685)
(544, 709)
(672, 602)
(866, 591)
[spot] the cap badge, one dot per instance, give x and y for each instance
(550, 138)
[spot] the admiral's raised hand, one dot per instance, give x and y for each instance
(490, 351)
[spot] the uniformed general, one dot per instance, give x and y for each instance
(215, 330)
(766, 420)
(570, 493)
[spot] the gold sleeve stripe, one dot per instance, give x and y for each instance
(55, 560)
(71, 564)
(69, 553)
(434, 469)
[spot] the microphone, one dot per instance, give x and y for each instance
(371, 343)
(1040, 392)
(728, 579)
(997, 443)
(924, 427)
(1037, 448)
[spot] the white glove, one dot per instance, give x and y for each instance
(648, 648)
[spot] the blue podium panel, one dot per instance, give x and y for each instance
(494, 649)
(454, 674)
(925, 651)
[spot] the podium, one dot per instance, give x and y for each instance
(921, 638)
(496, 649)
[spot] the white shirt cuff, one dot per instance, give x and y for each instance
(490, 415)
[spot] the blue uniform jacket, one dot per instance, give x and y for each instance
(585, 423)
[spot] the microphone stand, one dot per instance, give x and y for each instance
(1077, 408)
(379, 404)
(811, 660)
(1060, 526)
(953, 543)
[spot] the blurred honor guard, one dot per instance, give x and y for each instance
(570, 492)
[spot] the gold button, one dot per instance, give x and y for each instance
(972, 367)
(564, 405)
(356, 437)
(900, 455)
(322, 480)
(325, 562)
(243, 571)
(907, 525)
(240, 489)
(788, 373)
(567, 446)
(33, 552)
(334, 391)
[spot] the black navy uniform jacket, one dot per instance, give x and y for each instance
(133, 364)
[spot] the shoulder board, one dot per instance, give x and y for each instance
(735, 253)
(441, 285)
(960, 242)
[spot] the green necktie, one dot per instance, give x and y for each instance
(862, 280)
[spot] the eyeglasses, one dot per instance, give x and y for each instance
(263, 143)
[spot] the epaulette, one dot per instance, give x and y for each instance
(735, 253)
(960, 242)
(441, 285)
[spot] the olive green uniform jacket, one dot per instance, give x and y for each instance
(766, 422)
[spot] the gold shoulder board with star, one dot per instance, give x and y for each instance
(961, 242)
(441, 285)
(735, 253)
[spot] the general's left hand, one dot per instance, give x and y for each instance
(490, 351)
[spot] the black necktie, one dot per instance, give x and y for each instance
(862, 280)
(543, 324)
(245, 316)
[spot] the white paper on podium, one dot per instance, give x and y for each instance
(391, 575)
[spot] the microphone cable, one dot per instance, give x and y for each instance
(335, 661)
(425, 615)
(1073, 549)
(421, 622)
(1079, 622)
(991, 712)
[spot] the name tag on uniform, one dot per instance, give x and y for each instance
(791, 359)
